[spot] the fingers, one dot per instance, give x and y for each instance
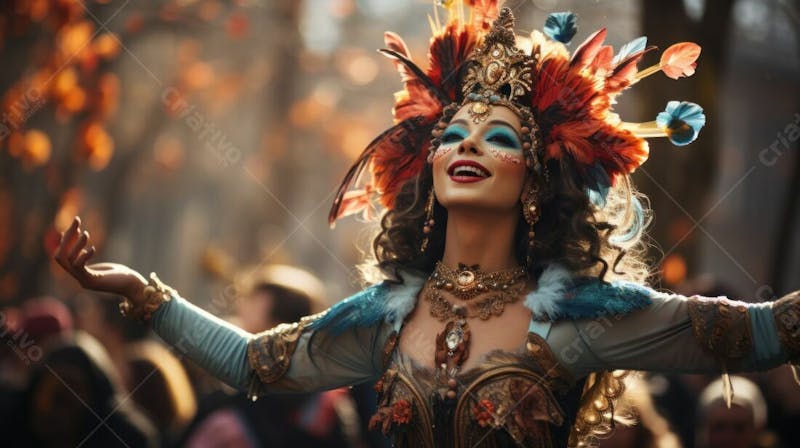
(80, 261)
(78, 247)
(71, 253)
(67, 238)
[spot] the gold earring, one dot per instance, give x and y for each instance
(427, 228)
(531, 213)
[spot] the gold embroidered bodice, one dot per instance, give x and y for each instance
(510, 398)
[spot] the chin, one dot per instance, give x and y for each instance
(474, 200)
(490, 194)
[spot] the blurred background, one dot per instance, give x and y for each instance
(203, 139)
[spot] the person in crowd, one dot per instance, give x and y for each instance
(27, 333)
(100, 318)
(161, 388)
(75, 398)
(267, 297)
(741, 423)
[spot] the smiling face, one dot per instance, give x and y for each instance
(480, 166)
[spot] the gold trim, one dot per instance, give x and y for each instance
(595, 416)
(422, 407)
(722, 327)
(388, 348)
(155, 294)
(270, 352)
(786, 312)
(542, 353)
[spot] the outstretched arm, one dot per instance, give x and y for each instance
(289, 357)
(678, 334)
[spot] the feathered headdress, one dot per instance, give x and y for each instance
(475, 58)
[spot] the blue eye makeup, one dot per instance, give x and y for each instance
(454, 133)
(503, 137)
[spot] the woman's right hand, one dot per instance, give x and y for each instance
(72, 255)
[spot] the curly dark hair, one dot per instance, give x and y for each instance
(598, 241)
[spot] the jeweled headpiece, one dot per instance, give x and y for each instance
(477, 60)
(498, 72)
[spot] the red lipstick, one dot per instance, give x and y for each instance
(467, 171)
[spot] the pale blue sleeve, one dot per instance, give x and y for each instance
(212, 343)
(674, 334)
(287, 358)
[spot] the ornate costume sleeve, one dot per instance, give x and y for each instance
(290, 357)
(681, 334)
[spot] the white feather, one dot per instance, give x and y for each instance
(544, 301)
(400, 299)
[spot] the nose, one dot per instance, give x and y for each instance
(468, 146)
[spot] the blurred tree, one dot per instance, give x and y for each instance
(60, 86)
(57, 91)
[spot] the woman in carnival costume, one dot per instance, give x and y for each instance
(511, 298)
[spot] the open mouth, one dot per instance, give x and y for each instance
(467, 171)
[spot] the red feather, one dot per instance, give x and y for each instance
(625, 72)
(393, 157)
(483, 13)
(602, 60)
(619, 150)
(395, 43)
(573, 102)
(355, 201)
(414, 76)
(587, 51)
(446, 55)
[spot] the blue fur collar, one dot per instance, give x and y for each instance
(559, 296)
(562, 296)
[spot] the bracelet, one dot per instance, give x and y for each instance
(155, 294)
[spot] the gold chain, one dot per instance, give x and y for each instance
(468, 281)
(493, 305)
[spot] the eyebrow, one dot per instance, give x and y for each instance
(503, 123)
(464, 122)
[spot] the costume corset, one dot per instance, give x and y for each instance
(519, 398)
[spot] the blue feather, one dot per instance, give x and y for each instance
(362, 309)
(561, 26)
(598, 185)
(637, 226)
(634, 46)
(589, 297)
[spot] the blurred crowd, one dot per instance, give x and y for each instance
(74, 373)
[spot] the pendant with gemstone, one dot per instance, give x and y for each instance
(452, 347)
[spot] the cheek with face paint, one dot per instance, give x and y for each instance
(451, 138)
(504, 146)
(505, 157)
(441, 152)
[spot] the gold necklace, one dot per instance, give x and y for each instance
(452, 344)
(468, 281)
(494, 305)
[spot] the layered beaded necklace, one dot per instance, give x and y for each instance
(467, 283)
